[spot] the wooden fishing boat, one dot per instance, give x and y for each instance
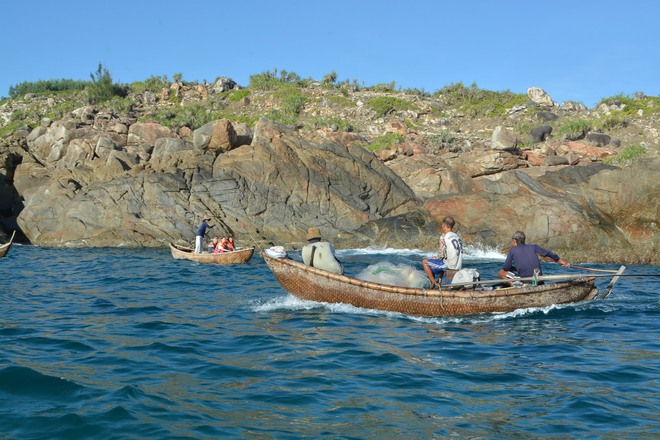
(232, 257)
(314, 284)
(4, 249)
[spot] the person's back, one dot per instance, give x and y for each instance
(321, 255)
(454, 247)
(523, 258)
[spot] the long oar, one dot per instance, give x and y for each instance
(550, 278)
(591, 269)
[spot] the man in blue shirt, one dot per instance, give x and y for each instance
(522, 258)
(201, 232)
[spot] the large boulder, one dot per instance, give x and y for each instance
(540, 97)
(217, 136)
(540, 133)
(148, 133)
(503, 139)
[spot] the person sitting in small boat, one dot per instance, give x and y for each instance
(230, 243)
(320, 254)
(222, 246)
(450, 254)
(213, 244)
(522, 260)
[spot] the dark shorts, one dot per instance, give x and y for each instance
(436, 266)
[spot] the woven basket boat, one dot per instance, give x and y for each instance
(232, 257)
(4, 249)
(314, 284)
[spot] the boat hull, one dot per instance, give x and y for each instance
(317, 285)
(233, 257)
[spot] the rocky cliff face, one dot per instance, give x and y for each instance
(100, 178)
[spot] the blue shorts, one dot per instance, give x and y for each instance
(436, 266)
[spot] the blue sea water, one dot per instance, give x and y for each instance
(121, 343)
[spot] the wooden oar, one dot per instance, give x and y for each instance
(608, 289)
(577, 266)
(511, 280)
(591, 269)
(552, 277)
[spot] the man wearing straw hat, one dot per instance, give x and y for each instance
(320, 254)
(201, 232)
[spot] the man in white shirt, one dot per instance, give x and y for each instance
(450, 254)
(320, 254)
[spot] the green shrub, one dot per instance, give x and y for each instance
(325, 122)
(330, 78)
(192, 116)
(63, 108)
(445, 138)
(340, 101)
(478, 102)
(416, 92)
(102, 88)
(264, 81)
(292, 100)
(270, 81)
(613, 122)
(649, 105)
(385, 141)
(10, 128)
(237, 95)
(52, 85)
(153, 84)
(627, 155)
(384, 105)
(119, 105)
(382, 87)
(574, 129)
(281, 117)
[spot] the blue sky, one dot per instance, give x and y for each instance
(576, 50)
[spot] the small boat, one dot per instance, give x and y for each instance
(310, 283)
(4, 249)
(230, 257)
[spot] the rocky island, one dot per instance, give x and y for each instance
(370, 166)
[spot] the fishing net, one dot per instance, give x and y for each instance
(400, 275)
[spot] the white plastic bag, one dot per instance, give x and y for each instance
(276, 252)
(465, 276)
